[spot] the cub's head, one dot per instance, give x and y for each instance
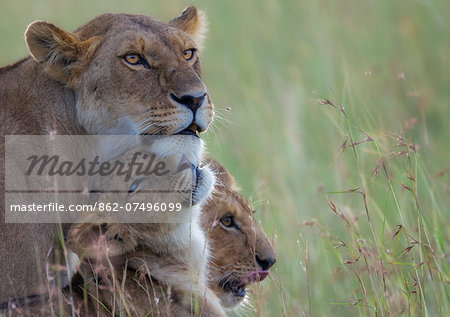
(140, 205)
(240, 251)
(138, 176)
(132, 74)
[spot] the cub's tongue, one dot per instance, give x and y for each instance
(255, 276)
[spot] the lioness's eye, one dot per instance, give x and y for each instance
(133, 59)
(227, 221)
(189, 54)
(136, 59)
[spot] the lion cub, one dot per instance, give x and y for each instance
(241, 254)
(168, 244)
(170, 247)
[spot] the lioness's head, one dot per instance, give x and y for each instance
(131, 74)
(241, 252)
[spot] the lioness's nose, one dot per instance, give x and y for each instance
(193, 102)
(265, 263)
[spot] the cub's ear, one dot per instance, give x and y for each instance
(63, 54)
(193, 22)
(223, 177)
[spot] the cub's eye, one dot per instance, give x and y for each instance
(228, 221)
(189, 54)
(133, 59)
(134, 186)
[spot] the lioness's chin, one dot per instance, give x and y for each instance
(167, 145)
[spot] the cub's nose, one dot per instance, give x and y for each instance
(193, 102)
(265, 263)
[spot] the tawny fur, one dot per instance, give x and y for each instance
(168, 291)
(77, 83)
(173, 254)
(233, 251)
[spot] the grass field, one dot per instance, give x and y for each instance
(334, 117)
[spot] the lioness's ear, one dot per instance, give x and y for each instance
(192, 21)
(62, 53)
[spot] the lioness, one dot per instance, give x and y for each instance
(117, 74)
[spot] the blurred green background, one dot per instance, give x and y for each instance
(279, 73)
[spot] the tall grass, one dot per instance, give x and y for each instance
(335, 123)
